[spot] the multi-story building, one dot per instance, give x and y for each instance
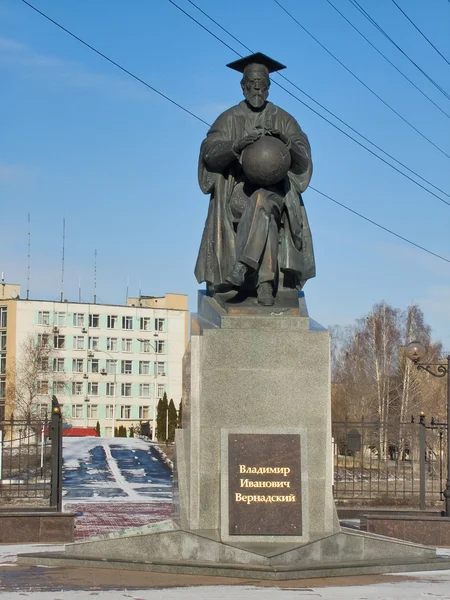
(105, 363)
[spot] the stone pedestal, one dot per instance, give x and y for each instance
(255, 374)
(253, 471)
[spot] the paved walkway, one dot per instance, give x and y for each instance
(99, 518)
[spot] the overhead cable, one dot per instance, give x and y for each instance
(208, 125)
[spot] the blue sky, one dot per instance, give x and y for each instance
(83, 141)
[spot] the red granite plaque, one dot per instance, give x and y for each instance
(264, 484)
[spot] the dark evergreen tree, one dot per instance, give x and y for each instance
(161, 418)
(116, 432)
(131, 431)
(173, 420)
(97, 428)
(180, 415)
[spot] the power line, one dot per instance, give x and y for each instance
(381, 30)
(209, 125)
(378, 225)
(391, 108)
(114, 63)
(420, 31)
(319, 104)
(388, 60)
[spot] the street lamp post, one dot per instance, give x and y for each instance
(415, 351)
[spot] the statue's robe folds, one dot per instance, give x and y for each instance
(217, 254)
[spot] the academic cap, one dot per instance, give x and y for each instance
(258, 58)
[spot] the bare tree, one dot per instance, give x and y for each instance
(29, 381)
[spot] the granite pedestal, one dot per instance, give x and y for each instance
(253, 470)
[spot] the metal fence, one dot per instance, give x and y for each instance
(377, 464)
(31, 461)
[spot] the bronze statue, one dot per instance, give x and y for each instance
(255, 162)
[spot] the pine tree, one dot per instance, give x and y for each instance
(97, 429)
(173, 419)
(180, 415)
(131, 430)
(161, 417)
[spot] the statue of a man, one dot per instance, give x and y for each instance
(255, 236)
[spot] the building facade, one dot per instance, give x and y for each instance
(105, 363)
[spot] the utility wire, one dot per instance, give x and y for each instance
(381, 30)
(318, 103)
(391, 108)
(388, 60)
(114, 63)
(420, 31)
(377, 224)
(208, 125)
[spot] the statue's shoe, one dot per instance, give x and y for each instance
(265, 294)
(237, 275)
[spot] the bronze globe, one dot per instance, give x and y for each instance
(266, 161)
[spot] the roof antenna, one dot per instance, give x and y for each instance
(29, 258)
(95, 276)
(62, 264)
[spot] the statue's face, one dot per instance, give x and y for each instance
(255, 87)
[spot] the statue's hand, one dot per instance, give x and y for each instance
(278, 134)
(240, 145)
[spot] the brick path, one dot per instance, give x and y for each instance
(99, 518)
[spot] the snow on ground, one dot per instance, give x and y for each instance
(114, 469)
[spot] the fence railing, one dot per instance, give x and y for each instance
(31, 460)
(378, 464)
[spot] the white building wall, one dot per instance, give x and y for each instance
(89, 339)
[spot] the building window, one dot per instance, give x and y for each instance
(112, 321)
(58, 365)
(161, 368)
(93, 365)
(160, 324)
(127, 367)
(2, 412)
(78, 342)
(59, 387)
(77, 388)
(160, 346)
(93, 343)
(109, 411)
(93, 388)
(161, 390)
(2, 388)
(77, 365)
(3, 318)
(42, 410)
(127, 322)
(42, 387)
(43, 340)
(144, 412)
(43, 317)
(111, 344)
(144, 390)
(145, 323)
(125, 389)
(44, 364)
(2, 364)
(92, 411)
(3, 340)
(144, 367)
(127, 345)
(146, 346)
(59, 341)
(125, 412)
(59, 318)
(77, 411)
(94, 320)
(78, 319)
(111, 367)
(110, 389)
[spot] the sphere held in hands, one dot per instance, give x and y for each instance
(266, 161)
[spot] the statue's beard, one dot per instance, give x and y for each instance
(256, 100)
